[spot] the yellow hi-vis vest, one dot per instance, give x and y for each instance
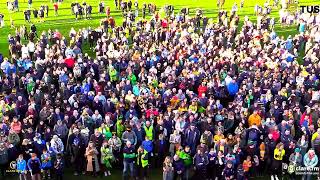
(143, 159)
(149, 132)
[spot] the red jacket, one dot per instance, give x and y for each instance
(69, 62)
(202, 89)
(151, 111)
(302, 119)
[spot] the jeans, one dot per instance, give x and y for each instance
(126, 166)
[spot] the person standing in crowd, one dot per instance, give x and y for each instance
(56, 145)
(106, 158)
(228, 172)
(168, 170)
(175, 142)
(129, 156)
(192, 136)
(46, 164)
(34, 166)
(276, 166)
(295, 160)
(178, 167)
(59, 167)
(200, 160)
(29, 4)
(310, 160)
(77, 150)
(55, 8)
(142, 163)
(185, 155)
(4, 159)
(147, 145)
(22, 167)
(91, 155)
(129, 135)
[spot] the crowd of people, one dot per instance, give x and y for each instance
(197, 98)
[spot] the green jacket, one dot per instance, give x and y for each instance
(120, 128)
(113, 74)
(133, 79)
(187, 159)
(30, 86)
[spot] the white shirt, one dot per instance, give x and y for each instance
(31, 47)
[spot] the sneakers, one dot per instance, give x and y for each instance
(76, 174)
(109, 173)
(105, 173)
(276, 177)
(272, 178)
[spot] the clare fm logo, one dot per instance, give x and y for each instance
(310, 9)
(13, 167)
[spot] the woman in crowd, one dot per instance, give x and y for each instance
(92, 159)
(276, 166)
(168, 168)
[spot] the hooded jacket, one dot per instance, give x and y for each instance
(310, 161)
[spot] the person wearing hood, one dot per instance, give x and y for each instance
(310, 160)
(254, 119)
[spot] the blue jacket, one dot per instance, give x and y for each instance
(147, 145)
(233, 88)
(34, 165)
(46, 161)
(21, 165)
(10, 70)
